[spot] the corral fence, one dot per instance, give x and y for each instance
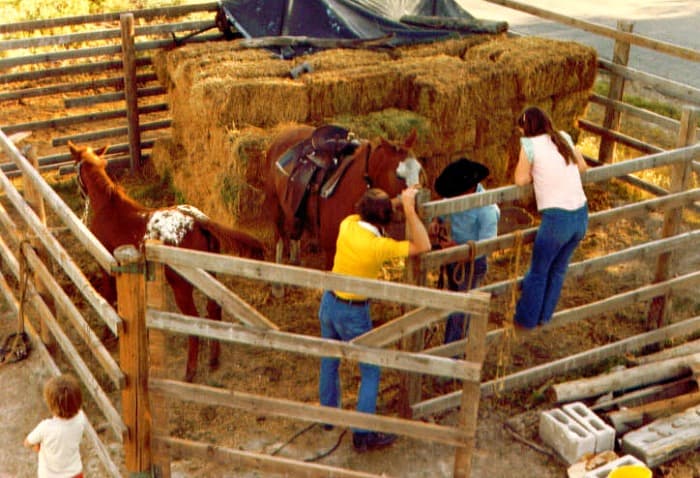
(37, 251)
(89, 63)
(140, 323)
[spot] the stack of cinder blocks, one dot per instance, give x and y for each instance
(574, 431)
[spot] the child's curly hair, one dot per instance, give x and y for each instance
(63, 396)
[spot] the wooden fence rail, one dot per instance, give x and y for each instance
(180, 448)
(316, 347)
(38, 346)
(146, 13)
(633, 39)
(521, 379)
(64, 304)
(80, 230)
(661, 85)
(72, 355)
(98, 52)
(194, 264)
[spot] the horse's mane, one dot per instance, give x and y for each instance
(113, 190)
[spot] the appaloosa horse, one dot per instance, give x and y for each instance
(118, 219)
(380, 163)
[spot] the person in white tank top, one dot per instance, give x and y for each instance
(549, 160)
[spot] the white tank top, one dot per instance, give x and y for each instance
(557, 184)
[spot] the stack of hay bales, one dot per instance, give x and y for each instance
(462, 95)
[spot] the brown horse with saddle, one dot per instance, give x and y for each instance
(316, 175)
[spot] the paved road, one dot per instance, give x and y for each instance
(672, 21)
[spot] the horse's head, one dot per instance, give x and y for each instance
(393, 166)
(86, 159)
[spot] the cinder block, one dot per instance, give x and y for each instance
(604, 471)
(665, 438)
(604, 433)
(565, 435)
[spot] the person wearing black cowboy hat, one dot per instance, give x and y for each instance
(460, 177)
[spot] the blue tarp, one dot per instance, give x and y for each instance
(334, 19)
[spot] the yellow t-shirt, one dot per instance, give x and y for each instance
(361, 251)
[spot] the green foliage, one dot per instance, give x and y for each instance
(156, 193)
(391, 123)
(602, 87)
(230, 189)
(665, 109)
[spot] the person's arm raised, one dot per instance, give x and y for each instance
(418, 238)
(580, 161)
(523, 170)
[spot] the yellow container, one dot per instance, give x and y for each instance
(630, 471)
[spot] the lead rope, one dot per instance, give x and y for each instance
(458, 276)
(83, 193)
(86, 211)
(459, 271)
(16, 347)
(504, 359)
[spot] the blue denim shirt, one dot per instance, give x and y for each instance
(475, 224)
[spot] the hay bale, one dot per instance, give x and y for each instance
(185, 66)
(265, 102)
(462, 95)
(567, 108)
(359, 91)
(544, 67)
(241, 181)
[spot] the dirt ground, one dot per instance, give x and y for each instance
(498, 453)
(22, 408)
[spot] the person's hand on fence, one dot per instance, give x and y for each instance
(439, 234)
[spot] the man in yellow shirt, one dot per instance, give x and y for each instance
(361, 250)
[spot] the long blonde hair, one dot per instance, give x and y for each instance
(535, 122)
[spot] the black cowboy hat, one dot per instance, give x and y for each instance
(459, 177)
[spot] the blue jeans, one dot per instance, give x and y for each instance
(557, 237)
(342, 321)
(454, 328)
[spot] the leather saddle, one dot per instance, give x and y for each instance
(309, 163)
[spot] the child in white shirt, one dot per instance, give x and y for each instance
(57, 439)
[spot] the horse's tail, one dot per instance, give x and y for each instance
(235, 240)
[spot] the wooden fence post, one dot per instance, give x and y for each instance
(36, 201)
(133, 358)
(410, 385)
(621, 53)
(471, 393)
(130, 88)
(156, 299)
(681, 175)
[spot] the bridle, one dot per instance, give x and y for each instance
(367, 177)
(82, 189)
